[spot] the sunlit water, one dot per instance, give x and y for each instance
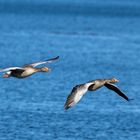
(91, 45)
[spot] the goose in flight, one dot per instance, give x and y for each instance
(79, 90)
(27, 70)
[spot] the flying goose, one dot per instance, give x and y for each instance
(79, 90)
(27, 70)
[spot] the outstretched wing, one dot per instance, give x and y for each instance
(43, 62)
(11, 69)
(75, 96)
(117, 90)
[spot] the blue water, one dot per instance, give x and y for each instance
(94, 39)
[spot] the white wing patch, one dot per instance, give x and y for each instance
(43, 62)
(79, 94)
(75, 96)
(8, 72)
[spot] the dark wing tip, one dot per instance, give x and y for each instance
(130, 99)
(57, 57)
(66, 107)
(52, 59)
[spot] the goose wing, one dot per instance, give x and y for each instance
(43, 62)
(75, 96)
(11, 69)
(117, 90)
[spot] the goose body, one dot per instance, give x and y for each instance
(79, 90)
(27, 71)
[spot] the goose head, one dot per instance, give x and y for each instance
(114, 80)
(45, 69)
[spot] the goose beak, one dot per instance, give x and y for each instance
(116, 80)
(46, 69)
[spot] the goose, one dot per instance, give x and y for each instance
(79, 90)
(27, 70)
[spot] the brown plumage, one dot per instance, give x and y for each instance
(79, 90)
(27, 70)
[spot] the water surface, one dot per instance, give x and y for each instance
(99, 40)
